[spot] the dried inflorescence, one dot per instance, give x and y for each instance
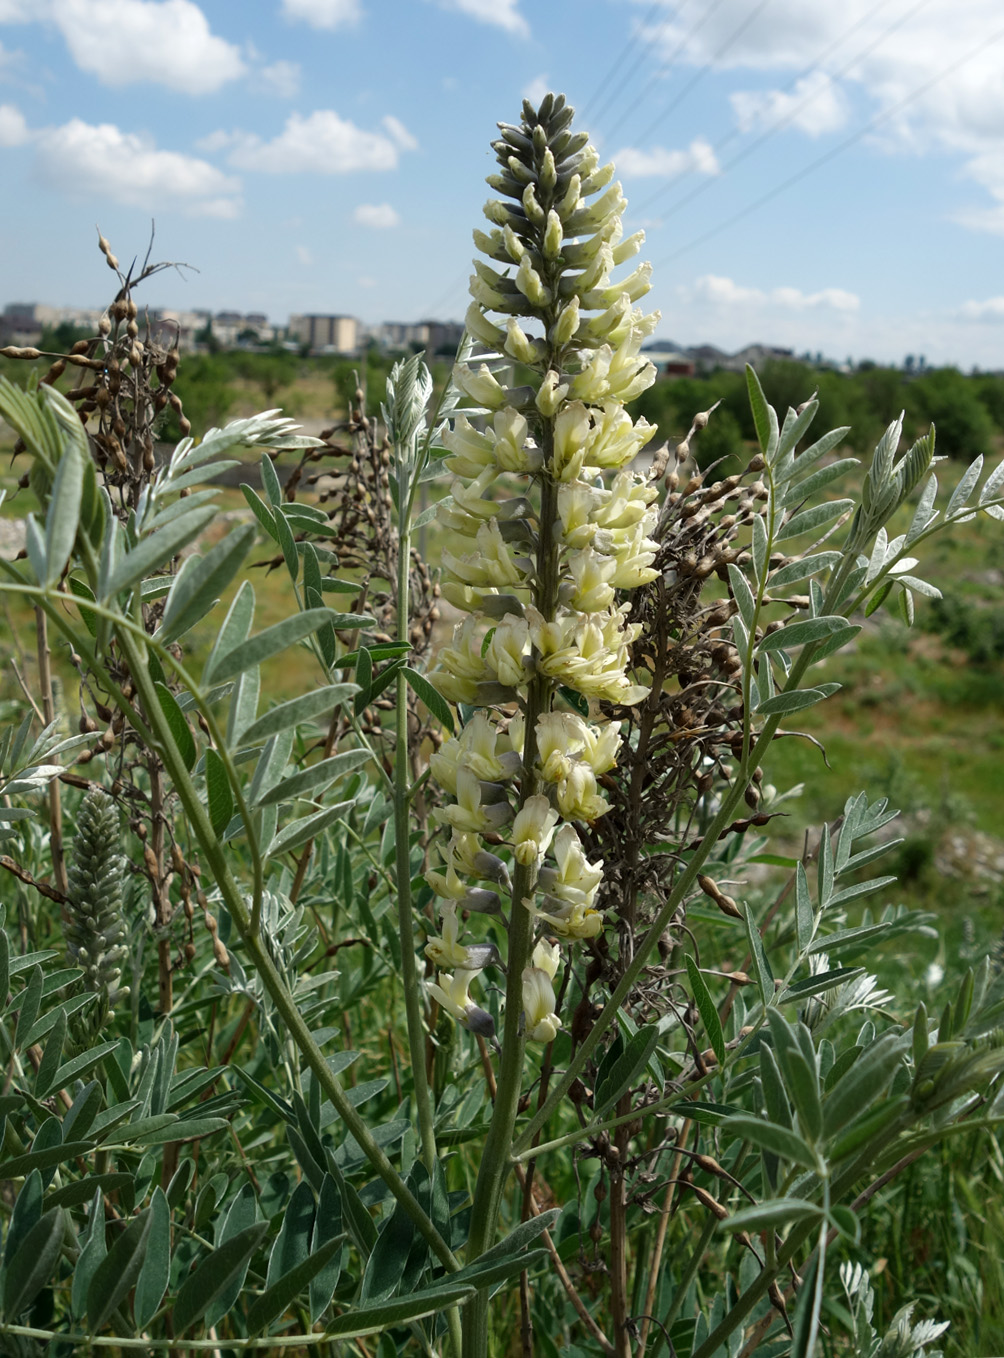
(124, 384)
(556, 526)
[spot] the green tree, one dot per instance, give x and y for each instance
(949, 400)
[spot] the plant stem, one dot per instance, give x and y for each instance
(402, 851)
(49, 712)
(496, 1164)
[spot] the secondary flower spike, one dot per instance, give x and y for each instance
(549, 527)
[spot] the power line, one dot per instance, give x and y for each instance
(792, 113)
(632, 42)
(674, 104)
(836, 150)
(666, 65)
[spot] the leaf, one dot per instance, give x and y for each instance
(201, 581)
(240, 1216)
(364, 678)
(82, 1190)
(372, 1319)
(804, 918)
(321, 702)
(235, 629)
(793, 700)
(706, 1008)
(814, 517)
(180, 729)
(619, 1075)
(865, 1082)
(765, 1216)
(261, 512)
(292, 1244)
(964, 489)
(783, 1142)
(31, 1267)
(28, 1000)
(431, 696)
(316, 777)
(115, 1275)
(761, 967)
(271, 763)
(155, 1273)
(803, 632)
(27, 1212)
(774, 1095)
(275, 1299)
(327, 1228)
(279, 636)
(809, 1304)
(386, 1264)
(270, 481)
(218, 792)
(64, 512)
(298, 832)
(288, 544)
(214, 1273)
(743, 595)
(48, 1067)
(760, 409)
(803, 568)
(158, 550)
(818, 984)
(90, 1256)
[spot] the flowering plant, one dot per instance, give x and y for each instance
(719, 1114)
(556, 526)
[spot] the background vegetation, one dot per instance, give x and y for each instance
(903, 725)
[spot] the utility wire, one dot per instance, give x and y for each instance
(632, 42)
(834, 151)
(666, 65)
(698, 76)
(788, 117)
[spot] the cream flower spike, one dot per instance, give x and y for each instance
(542, 572)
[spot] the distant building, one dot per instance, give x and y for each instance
(433, 336)
(334, 333)
(22, 323)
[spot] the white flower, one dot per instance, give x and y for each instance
(542, 1023)
(532, 830)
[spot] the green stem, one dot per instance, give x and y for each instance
(496, 1163)
(402, 849)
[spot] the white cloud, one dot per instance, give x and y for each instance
(989, 312)
(929, 72)
(13, 128)
(304, 256)
(125, 42)
(321, 143)
(499, 13)
(717, 291)
(699, 156)
(281, 78)
(399, 132)
(378, 215)
(87, 160)
(329, 14)
(814, 105)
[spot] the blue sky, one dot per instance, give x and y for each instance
(329, 155)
